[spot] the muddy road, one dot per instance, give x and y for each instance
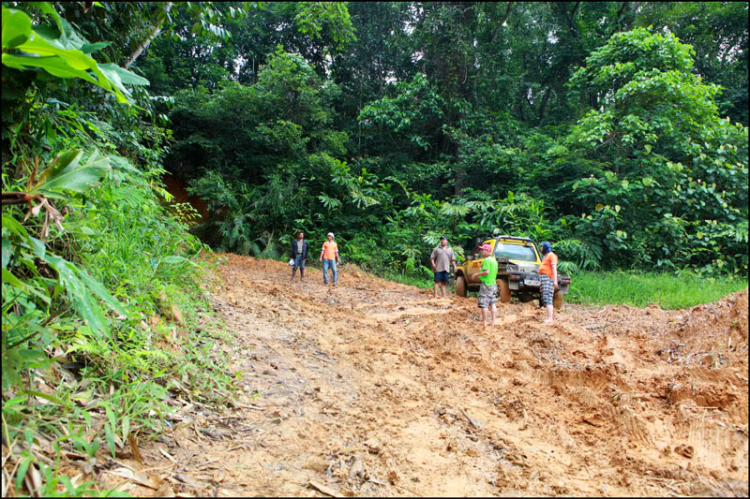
(376, 388)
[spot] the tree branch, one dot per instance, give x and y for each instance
(622, 9)
(573, 14)
(617, 27)
(154, 33)
(17, 197)
(500, 24)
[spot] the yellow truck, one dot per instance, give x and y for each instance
(518, 261)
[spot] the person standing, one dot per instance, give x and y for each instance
(441, 259)
(488, 289)
(329, 255)
(548, 276)
(298, 253)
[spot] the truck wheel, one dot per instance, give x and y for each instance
(504, 288)
(557, 299)
(461, 286)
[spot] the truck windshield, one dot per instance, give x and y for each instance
(515, 252)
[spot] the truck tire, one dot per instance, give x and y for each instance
(504, 290)
(557, 299)
(461, 286)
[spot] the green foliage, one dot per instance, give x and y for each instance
(89, 265)
(669, 169)
(413, 109)
(718, 33)
(314, 16)
(640, 289)
(433, 148)
(64, 56)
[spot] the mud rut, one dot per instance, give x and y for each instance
(375, 388)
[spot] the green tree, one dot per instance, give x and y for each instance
(661, 154)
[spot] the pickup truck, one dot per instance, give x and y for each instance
(518, 261)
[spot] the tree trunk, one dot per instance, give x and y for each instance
(154, 33)
(543, 106)
(458, 187)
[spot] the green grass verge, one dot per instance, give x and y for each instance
(418, 281)
(641, 289)
(637, 289)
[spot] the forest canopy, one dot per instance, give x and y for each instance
(617, 130)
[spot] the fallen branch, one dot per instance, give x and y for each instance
(325, 490)
(469, 418)
(9, 198)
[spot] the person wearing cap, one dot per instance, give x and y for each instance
(488, 288)
(329, 256)
(441, 259)
(298, 253)
(548, 276)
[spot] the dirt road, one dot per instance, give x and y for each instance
(376, 388)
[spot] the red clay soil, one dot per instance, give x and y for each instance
(376, 388)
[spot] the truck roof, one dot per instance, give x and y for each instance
(513, 237)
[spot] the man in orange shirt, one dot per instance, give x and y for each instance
(329, 255)
(548, 274)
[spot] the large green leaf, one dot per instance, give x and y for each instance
(11, 279)
(53, 65)
(66, 56)
(68, 174)
(125, 76)
(99, 290)
(67, 159)
(14, 226)
(7, 251)
(72, 57)
(16, 28)
(77, 292)
(38, 44)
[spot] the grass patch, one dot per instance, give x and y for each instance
(637, 289)
(641, 289)
(411, 280)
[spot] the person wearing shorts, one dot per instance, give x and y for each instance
(442, 257)
(488, 288)
(548, 276)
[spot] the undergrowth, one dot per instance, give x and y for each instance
(107, 326)
(640, 289)
(78, 389)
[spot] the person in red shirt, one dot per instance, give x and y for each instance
(548, 275)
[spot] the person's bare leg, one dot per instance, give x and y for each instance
(436, 288)
(550, 309)
(484, 317)
(443, 285)
(494, 314)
